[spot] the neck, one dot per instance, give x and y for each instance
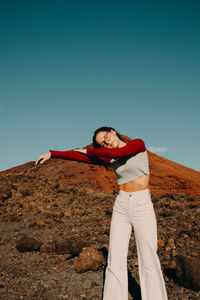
(121, 144)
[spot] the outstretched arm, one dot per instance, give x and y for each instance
(79, 156)
(96, 155)
(131, 148)
(72, 155)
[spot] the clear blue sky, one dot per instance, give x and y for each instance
(68, 67)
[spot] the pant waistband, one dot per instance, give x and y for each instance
(138, 193)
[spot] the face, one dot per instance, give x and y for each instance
(107, 139)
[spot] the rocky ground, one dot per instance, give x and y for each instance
(64, 219)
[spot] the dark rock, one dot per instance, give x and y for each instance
(49, 247)
(5, 195)
(108, 213)
(25, 190)
(188, 271)
(28, 244)
(70, 246)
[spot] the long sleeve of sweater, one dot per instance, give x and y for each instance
(77, 156)
(131, 148)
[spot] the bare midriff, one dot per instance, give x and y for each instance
(138, 184)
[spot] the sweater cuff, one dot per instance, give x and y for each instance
(52, 153)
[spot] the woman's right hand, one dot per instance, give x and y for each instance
(42, 158)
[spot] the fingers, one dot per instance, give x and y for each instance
(36, 162)
(82, 150)
(40, 160)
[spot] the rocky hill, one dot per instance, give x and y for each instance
(166, 176)
(55, 221)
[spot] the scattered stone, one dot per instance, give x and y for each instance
(39, 224)
(188, 271)
(89, 259)
(25, 190)
(194, 204)
(5, 195)
(195, 253)
(169, 264)
(173, 252)
(161, 243)
(49, 247)
(171, 243)
(70, 246)
(28, 244)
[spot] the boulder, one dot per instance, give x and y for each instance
(89, 259)
(48, 247)
(70, 246)
(28, 244)
(188, 272)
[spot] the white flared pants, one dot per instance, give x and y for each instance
(133, 209)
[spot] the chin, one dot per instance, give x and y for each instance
(114, 145)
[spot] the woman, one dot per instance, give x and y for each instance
(132, 208)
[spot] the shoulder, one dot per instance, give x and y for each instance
(136, 143)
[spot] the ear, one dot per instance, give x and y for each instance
(113, 132)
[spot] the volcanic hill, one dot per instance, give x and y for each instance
(166, 176)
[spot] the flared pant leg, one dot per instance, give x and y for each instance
(145, 228)
(116, 276)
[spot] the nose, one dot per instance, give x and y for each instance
(107, 137)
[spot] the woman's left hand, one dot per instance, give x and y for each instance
(81, 150)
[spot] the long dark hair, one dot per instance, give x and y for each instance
(123, 138)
